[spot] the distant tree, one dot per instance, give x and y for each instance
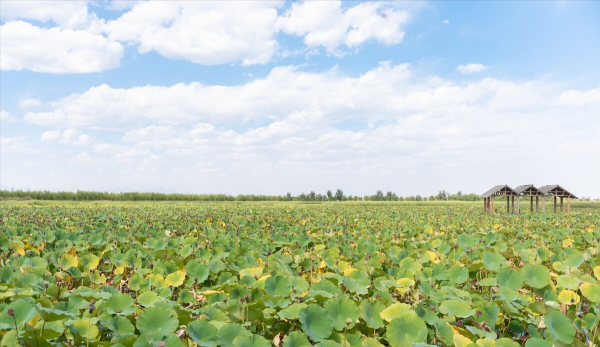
(432, 198)
(339, 195)
(329, 195)
(379, 196)
(418, 198)
(288, 196)
(312, 195)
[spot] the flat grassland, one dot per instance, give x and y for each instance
(297, 274)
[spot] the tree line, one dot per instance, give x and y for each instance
(339, 195)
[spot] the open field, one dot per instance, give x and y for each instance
(297, 274)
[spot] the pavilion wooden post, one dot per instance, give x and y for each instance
(569, 204)
(484, 204)
(507, 204)
(493, 207)
(531, 205)
(537, 200)
(518, 207)
(555, 204)
(543, 204)
(513, 204)
(561, 204)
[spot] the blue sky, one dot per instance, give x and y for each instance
(412, 97)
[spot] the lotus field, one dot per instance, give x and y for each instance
(296, 275)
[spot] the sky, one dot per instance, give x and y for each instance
(274, 97)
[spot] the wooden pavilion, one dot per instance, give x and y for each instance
(531, 191)
(557, 192)
(502, 190)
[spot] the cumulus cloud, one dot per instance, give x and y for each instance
(81, 158)
(56, 50)
(6, 117)
(326, 24)
(203, 32)
(65, 14)
(69, 137)
(471, 68)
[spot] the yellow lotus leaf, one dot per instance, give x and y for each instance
(348, 271)
(496, 226)
(157, 281)
(175, 279)
(251, 271)
(597, 272)
(118, 270)
(568, 297)
(68, 261)
(461, 341)
(404, 283)
(567, 243)
(486, 342)
(590, 230)
(433, 257)
(18, 249)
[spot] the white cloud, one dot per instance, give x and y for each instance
(81, 158)
(471, 68)
(30, 103)
(56, 50)
(6, 117)
(446, 21)
(66, 14)
(50, 136)
(315, 128)
(32, 164)
(68, 137)
(326, 24)
(202, 32)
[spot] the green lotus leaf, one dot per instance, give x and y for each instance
(537, 342)
(214, 314)
(52, 314)
(457, 308)
(328, 343)
(147, 299)
(457, 274)
(493, 261)
(85, 328)
(371, 342)
(510, 278)
(316, 322)
(89, 261)
(591, 291)
(536, 276)
(23, 313)
(406, 330)
(506, 342)
(278, 285)
(343, 313)
(157, 319)
(296, 339)
(291, 312)
(228, 332)
(444, 331)
(395, 311)
(567, 282)
(153, 339)
(119, 325)
(560, 327)
(120, 304)
(203, 333)
(370, 312)
(251, 341)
